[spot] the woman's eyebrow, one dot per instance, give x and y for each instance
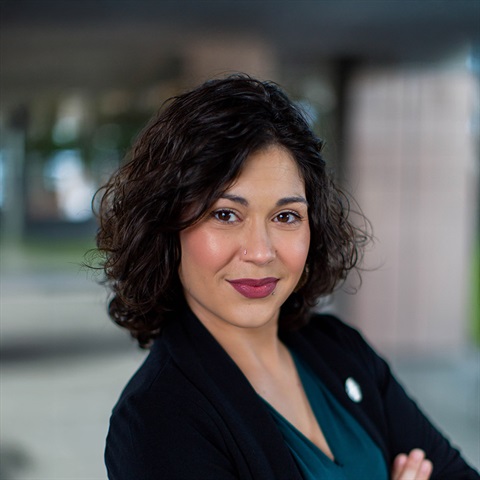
(288, 200)
(280, 203)
(236, 199)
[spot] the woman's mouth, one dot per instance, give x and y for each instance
(254, 287)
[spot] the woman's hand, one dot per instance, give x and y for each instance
(413, 466)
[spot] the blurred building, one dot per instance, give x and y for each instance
(392, 87)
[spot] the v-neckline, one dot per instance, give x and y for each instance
(304, 438)
(312, 444)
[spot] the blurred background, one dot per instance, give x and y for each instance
(392, 87)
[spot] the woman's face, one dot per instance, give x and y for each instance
(244, 258)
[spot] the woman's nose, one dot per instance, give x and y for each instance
(258, 246)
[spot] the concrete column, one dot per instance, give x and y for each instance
(412, 160)
(12, 150)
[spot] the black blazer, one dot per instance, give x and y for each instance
(190, 413)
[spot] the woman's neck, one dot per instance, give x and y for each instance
(256, 351)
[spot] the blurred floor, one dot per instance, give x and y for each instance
(64, 365)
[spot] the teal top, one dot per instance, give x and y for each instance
(357, 457)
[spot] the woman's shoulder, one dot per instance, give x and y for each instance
(158, 398)
(152, 377)
(327, 331)
(159, 414)
(330, 326)
(157, 379)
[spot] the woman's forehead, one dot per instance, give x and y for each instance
(271, 168)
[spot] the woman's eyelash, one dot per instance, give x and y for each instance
(296, 216)
(227, 215)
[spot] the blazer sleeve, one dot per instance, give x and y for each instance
(156, 440)
(407, 426)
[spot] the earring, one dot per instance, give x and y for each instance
(245, 252)
(303, 279)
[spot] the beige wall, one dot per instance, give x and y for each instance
(411, 156)
(210, 56)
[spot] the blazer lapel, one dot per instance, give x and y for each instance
(215, 374)
(334, 366)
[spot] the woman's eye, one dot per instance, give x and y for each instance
(287, 217)
(226, 216)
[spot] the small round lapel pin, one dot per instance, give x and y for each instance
(353, 390)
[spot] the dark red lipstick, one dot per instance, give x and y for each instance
(254, 287)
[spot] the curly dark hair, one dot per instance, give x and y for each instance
(183, 161)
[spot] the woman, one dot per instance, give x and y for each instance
(218, 236)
